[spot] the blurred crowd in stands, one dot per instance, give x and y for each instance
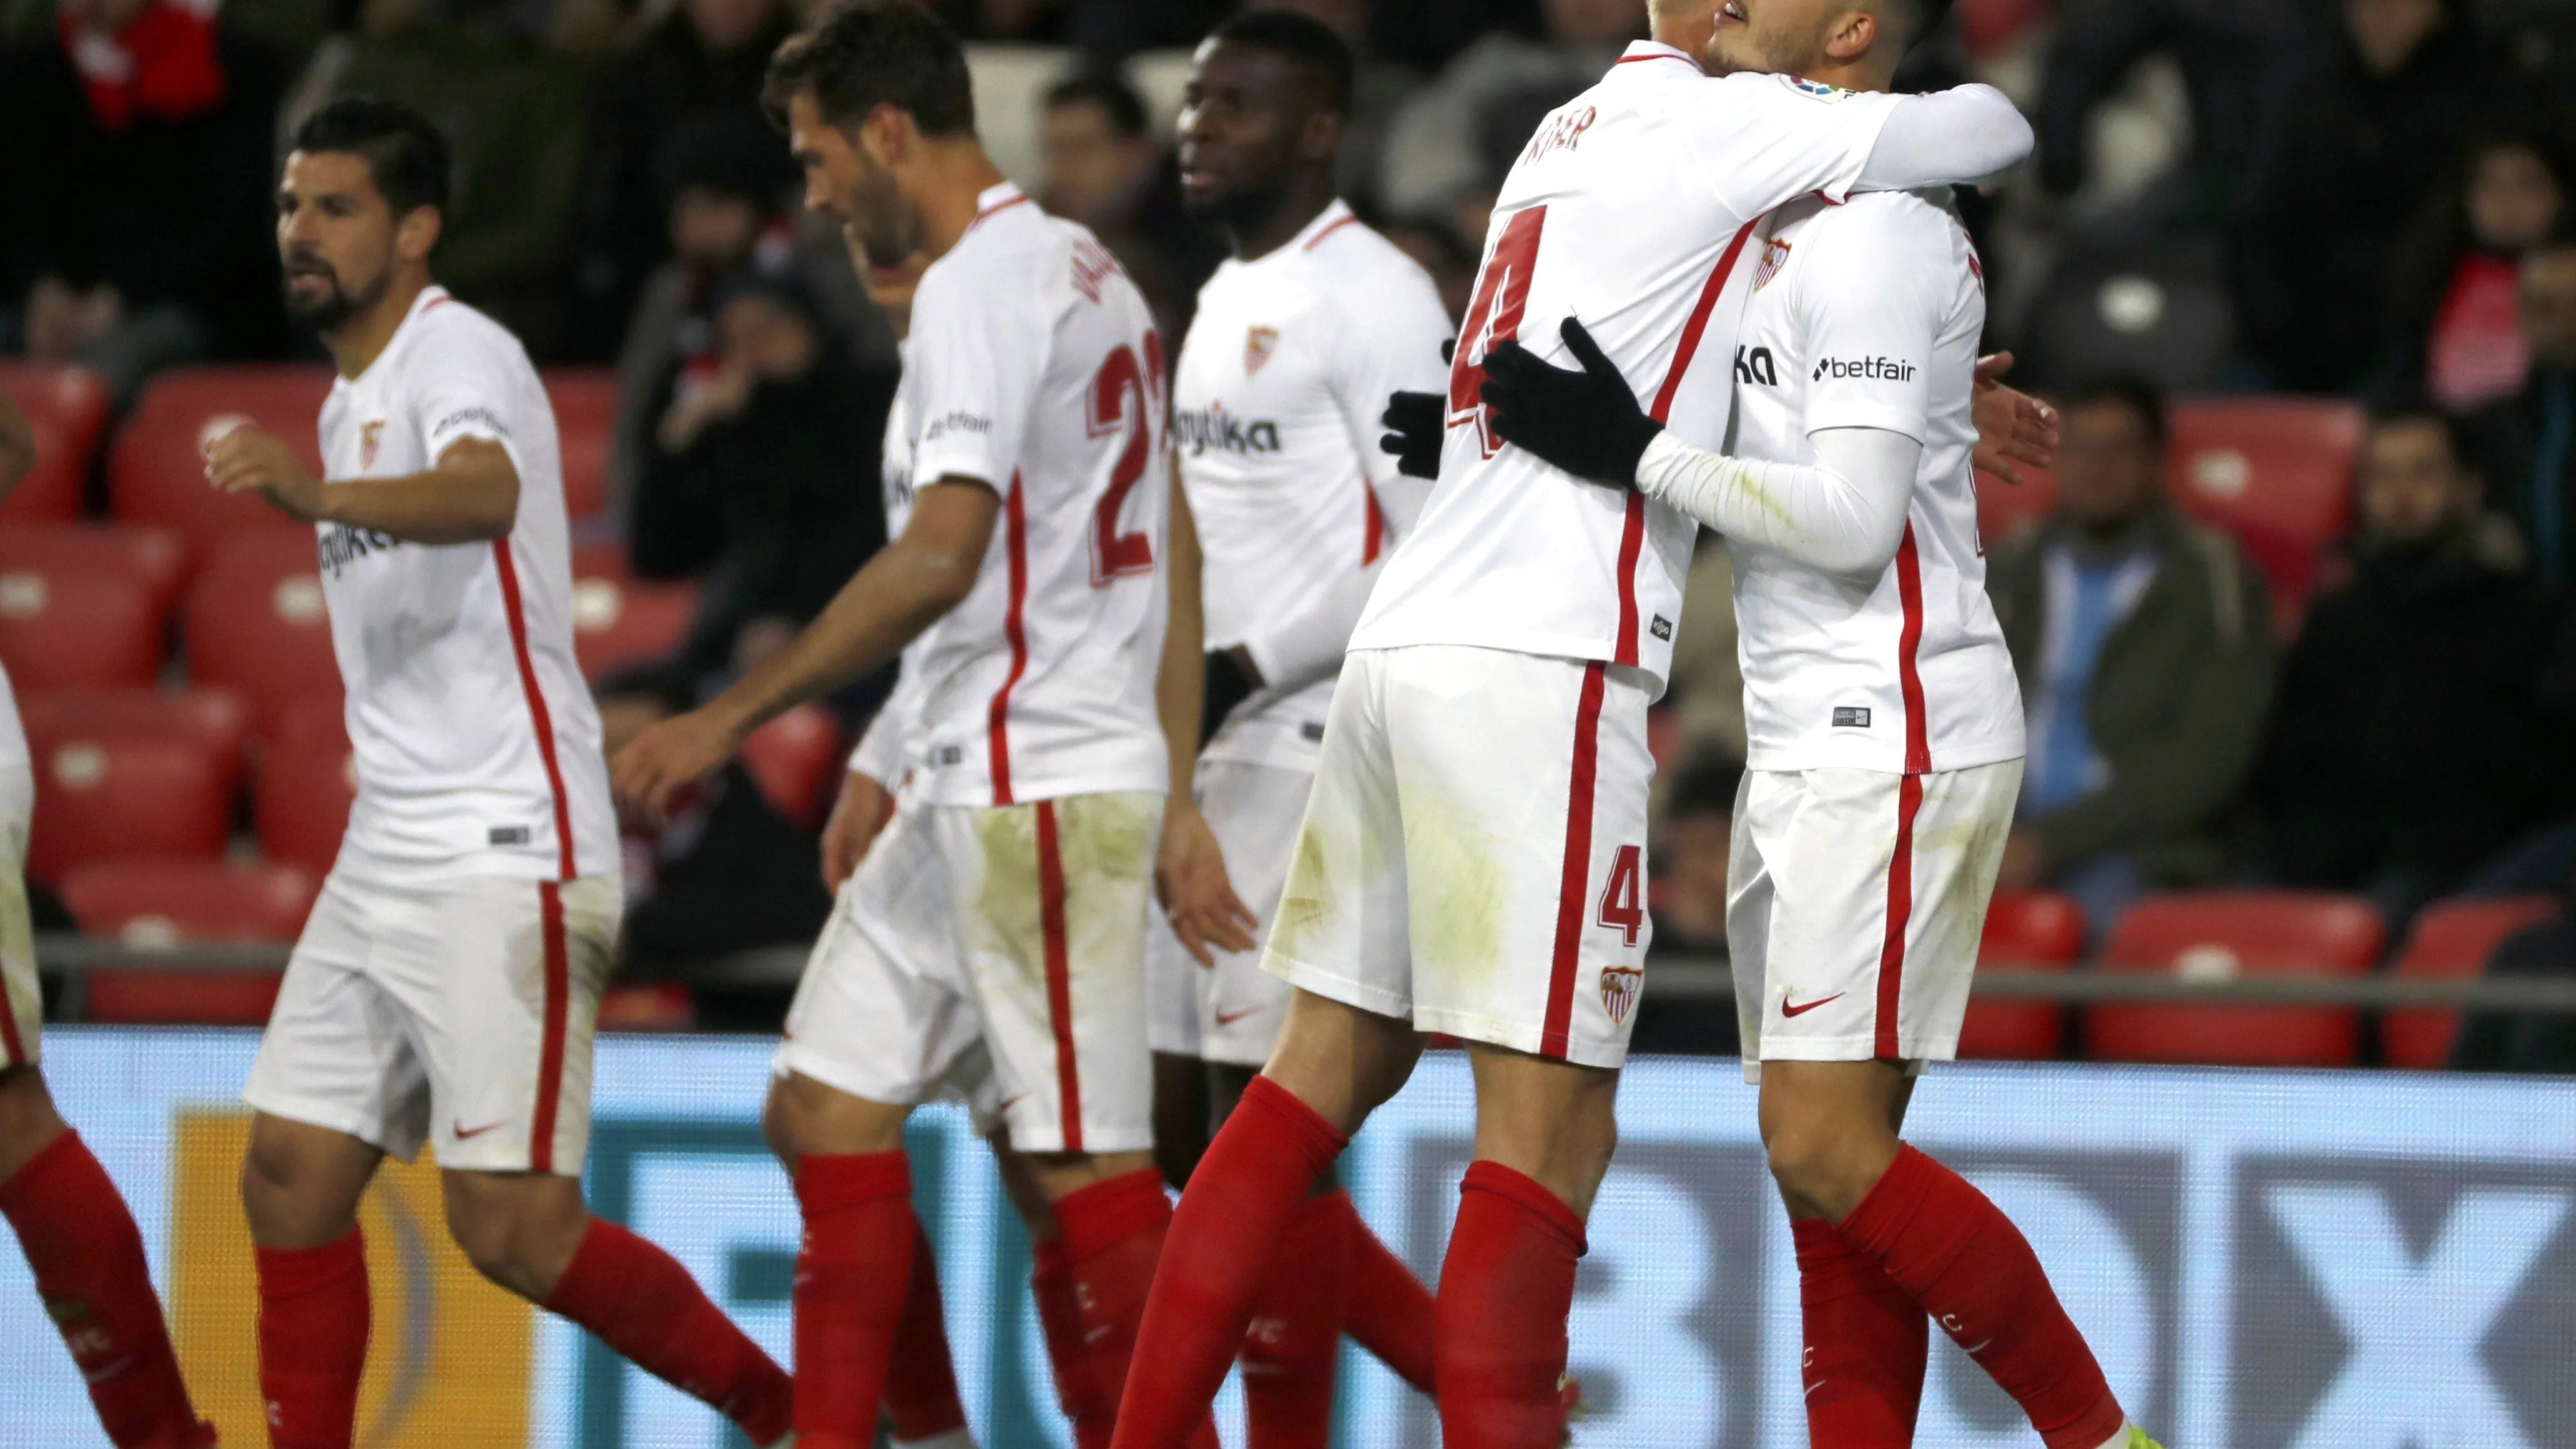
(2264, 639)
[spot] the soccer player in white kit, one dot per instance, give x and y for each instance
(1298, 339)
(1473, 857)
(447, 982)
(991, 942)
(79, 1236)
(1885, 747)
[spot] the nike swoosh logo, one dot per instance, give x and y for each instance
(463, 1132)
(1009, 1102)
(1787, 1008)
(1229, 1018)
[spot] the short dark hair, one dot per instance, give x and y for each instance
(405, 154)
(2455, 433)
(1706, 785)
(2136, 394)
(1106, 89)
(875, 53)
(1301, 39)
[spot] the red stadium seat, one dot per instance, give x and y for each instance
(110, 797)
(152, 557)
(180, 998)
(157, 471)
(161, 902)
(2219, 935)
(306, 781)
(66, 408)
(215, 719)
(585, 400)
(2003, 507)
(617, 622)
(2451, 941)
(71, 628)
(797, 758)
(2033, 931)
(256, 622)
(2283, 462)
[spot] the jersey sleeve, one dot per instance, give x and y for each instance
(1386, 340)
(460, 384)
(1875, 289)
(1771, 138)
(979, 350)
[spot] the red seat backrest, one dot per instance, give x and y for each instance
(2451, 941)
(215, 719)
(66, 408)
(156, 472)
(179, 998)
(2283, 462)
(2033, 931)
(152, 557)
(617, 622)
(68, 628)
(306, 782)
(585, 403)
(158, 902)
(104, 797)
(795, 757)
(256, 622)
(2223, 934)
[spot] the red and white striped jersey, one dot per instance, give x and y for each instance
(1036, 372)
(1276, 416)
(1867, 315)
(476, 743)
(1636, 208)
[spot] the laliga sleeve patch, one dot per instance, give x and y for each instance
(1816, 90)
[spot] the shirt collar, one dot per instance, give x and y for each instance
(1654, 50)
(994, 198)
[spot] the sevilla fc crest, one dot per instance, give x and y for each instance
(1619, 988)
(368, 436)
(1775, 255)
(1258, 344)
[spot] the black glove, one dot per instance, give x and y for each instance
(1587, 423)
(1420, 421)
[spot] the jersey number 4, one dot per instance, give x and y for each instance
(1125, 396)
(1623, 907)
(1493, 318)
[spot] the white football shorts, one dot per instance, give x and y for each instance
(1474, 856)
(994, 955)
(458, 1012)
(1855, 900)
(1231, 1012)
(22, 1002)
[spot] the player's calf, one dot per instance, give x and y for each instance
(860, 1255)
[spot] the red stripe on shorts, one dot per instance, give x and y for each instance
(1574, 888)
(550, 1052)
(1059, 975)
(1900, 913)
(536, 703)
(997, 732)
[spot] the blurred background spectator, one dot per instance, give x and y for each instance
(2458, 335)
(1698, 839)
(2526, 444)
(2146, 668)
(1103, 168)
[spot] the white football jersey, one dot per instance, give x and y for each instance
(1277, 404)
(892, 745)
(1867, 315)
(1036, 371)
(1633, 208)
(476, 743)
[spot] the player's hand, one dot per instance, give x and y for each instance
(2014, 429)
(859, 815)
(250, 459)
(667, 757)
(1417, 422)
(1190, 880)
(1587, 423)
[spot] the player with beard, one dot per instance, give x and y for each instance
(447, 983)
(73, 1225)
(1297, 341)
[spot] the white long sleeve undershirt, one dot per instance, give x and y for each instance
(1969, 133)
(1843, 513)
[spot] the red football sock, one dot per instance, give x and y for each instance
(80, 1238)
(1254, 1178)
(921, 1380)
(1866, 1342)
(1296, 1333)
(313, 1315)
(1965, 1263)
(1505, 1290)
(853, 1276)
(1112, 1234)
(1385, 1309)
(642, 1303)
(1060, 1322)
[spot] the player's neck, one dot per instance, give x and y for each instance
(357, 343)
(1867, 73)
(952, 177)
(1306, 197)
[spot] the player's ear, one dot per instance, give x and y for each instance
(1321, 140)
(417, 233)
(1852, 36)
(888, 135)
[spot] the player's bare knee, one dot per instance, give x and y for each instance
(517, 1229)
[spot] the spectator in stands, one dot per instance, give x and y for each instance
(752, 477)
(705, 57)
(2526, 445)
(2492, 1041)
(1450, 145)
(1698, 840)
(1105, 30)
(726, 871)
(2144, 649)
(2362, 145)
(135, 136)
(2409, 743)
(2459, 336)
(1100, 165)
